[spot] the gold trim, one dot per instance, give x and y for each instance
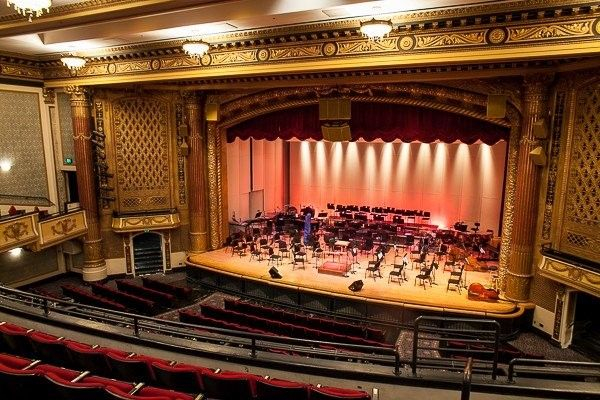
(140, 223)
(570, 275)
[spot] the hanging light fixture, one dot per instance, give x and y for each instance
(376, 29)
(29, 8)
(195, 48)
(74, 63)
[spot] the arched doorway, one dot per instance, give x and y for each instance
(148, 257)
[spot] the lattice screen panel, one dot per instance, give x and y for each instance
(581, 232)
(141, 127)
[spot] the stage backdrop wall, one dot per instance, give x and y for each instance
(267, 175)
(455, 182)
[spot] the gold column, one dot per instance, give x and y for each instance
(520, 267)
(94, 266)
(215, 184)
(196, 175)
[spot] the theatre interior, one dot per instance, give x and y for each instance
(306, 200)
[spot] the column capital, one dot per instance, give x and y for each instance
(49, 95)
(77, 93)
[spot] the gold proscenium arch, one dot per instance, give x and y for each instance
(437, 97)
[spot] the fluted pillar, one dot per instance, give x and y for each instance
(94, 266)
(520, 266)
(196, 175)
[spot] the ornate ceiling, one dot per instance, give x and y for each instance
(276, 42)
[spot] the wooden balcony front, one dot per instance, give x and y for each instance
(62, 227)
(18, 231)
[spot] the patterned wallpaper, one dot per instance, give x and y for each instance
(21, 141)
(66, 126)
(27, 266)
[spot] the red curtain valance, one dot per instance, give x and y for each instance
(371, 121)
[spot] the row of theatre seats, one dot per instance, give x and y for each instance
(38, 365)
(302, 329)
(147, 299)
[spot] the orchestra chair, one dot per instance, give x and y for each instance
(396, 272)
(317, 253)
(455, 278)
(297, 259)
(449, 265)
(424, 276)
(276, 258)
(442, 252)
(420, 261)
(283, 249)
(255, 252)
(374, 266)
(475, 229)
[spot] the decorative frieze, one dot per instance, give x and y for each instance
(140, 223)
(64, 227)
(571, 275)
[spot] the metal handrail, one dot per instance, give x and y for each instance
(135, 322)
(465, 392)
(531, 361)
(495, 332)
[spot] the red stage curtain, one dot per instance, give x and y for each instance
(372, 121)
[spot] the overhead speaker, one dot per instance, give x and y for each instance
(356, 285)
(538, 156)
(540, 130)
(336, 133)
(211, 111)
(334, 109)
(496, 106)
(274, 273)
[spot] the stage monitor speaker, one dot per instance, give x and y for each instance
(356, 285)
(496, 106)
(274, 273)
(211, 111)
(336, 133)
(334, 109)
(540, 130)
(538, 156)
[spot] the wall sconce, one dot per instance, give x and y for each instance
(5, 165)
(16, 252)
(184, 148)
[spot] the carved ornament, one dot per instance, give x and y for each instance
(140, 223)
(571, 275)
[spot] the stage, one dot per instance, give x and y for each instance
(406, 294)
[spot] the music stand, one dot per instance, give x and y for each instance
(354, 254)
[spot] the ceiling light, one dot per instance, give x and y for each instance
(74, 63)
(29, 8)
(376, 29)
(195, 48)
(5, 165)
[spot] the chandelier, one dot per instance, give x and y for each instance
(376, 29)
(73, 62)
(29, 8)
(195, 48)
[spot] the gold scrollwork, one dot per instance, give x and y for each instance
(64, 226)
(497, 36)
(15, 231)
(451, 39)
(295, 52)
(545, 32)
(367, 46)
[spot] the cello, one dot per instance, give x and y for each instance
(478, 292)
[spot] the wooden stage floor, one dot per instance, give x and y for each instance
(407, 294)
